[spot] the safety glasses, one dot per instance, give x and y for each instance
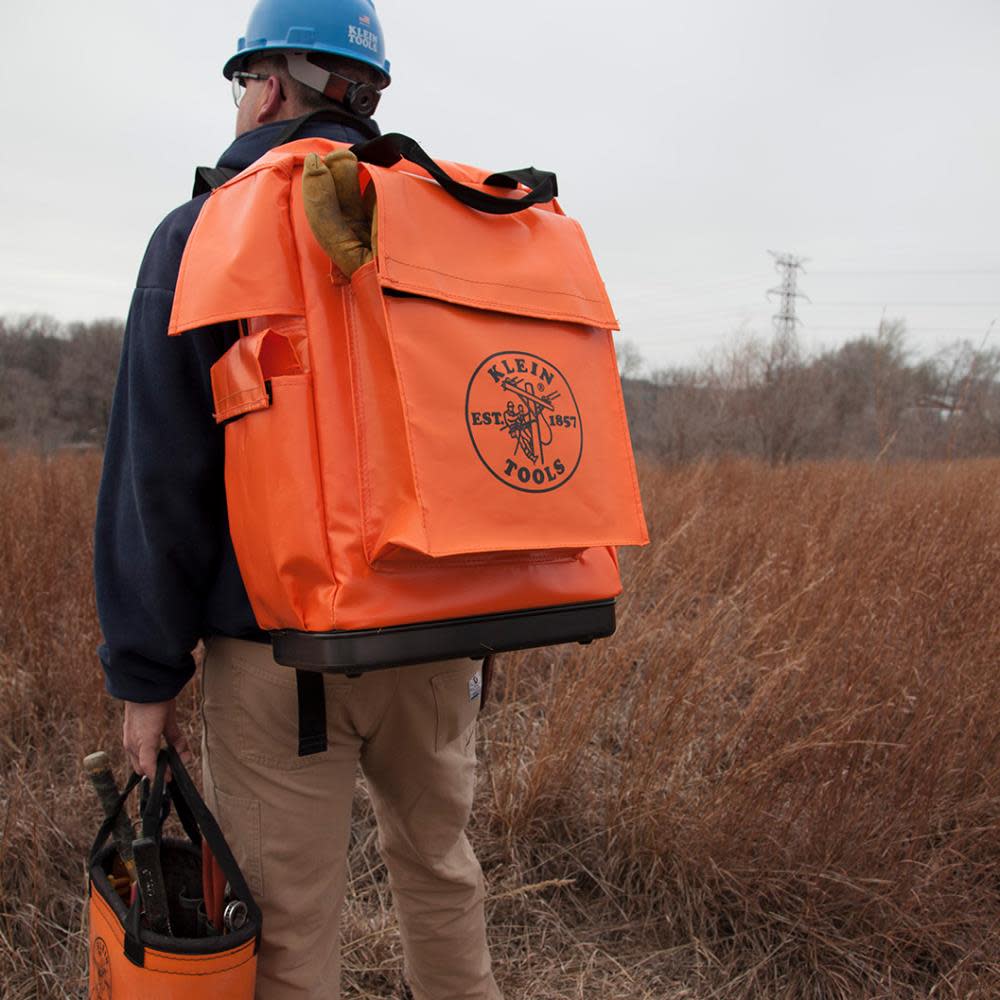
(239, 83)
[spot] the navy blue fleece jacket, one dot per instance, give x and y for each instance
(164, 566)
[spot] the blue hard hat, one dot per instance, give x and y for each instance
(348, 28)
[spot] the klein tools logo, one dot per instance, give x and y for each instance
(364, 37)
(524, 421)
(100, 987)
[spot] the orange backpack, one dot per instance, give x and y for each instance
(431, 459)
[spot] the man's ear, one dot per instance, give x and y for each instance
(272, 101)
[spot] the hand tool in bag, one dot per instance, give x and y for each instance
(155, 802)
(235, 916)
(98, 768)
(152, 889)
(192, 913)
(214, 886)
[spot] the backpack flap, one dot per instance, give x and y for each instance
(488, 401)
(535, 263)
(240, 260)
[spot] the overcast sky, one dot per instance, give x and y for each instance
(689, 138)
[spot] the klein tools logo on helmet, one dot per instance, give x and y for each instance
(524, 422)
(364, 37)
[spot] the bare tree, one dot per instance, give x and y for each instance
(762, 388)
(967, 398)
(630, 360)
(85, 381)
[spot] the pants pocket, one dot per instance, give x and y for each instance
(239, 819)
(457, 695)
(267, 701)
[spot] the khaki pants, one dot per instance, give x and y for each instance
(288, 818)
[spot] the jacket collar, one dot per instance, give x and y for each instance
(251, 146)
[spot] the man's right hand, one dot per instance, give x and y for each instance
(144, 726)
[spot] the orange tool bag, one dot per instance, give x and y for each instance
(208, 947)
(429, 460)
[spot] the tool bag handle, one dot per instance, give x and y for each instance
(392, 147)
(155, 801)
(203, 827)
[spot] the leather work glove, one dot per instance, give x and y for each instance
(343, 223)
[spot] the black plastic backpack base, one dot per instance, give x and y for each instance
(357, 651)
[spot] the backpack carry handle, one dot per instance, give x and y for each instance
(392, 147)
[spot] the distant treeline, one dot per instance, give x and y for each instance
(759, 397)
(868, 398)
(56, 380)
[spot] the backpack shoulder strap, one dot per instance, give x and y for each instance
(209, 178)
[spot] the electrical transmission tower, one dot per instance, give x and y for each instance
(788, 266)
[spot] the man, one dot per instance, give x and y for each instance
(166, 577)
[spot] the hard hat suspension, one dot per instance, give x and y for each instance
(360, 98)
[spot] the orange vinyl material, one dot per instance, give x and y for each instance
(224, 975)
(238, 385)
(444, 435)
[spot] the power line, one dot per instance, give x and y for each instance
(906, 303)
(878, 272)
(909, 329)
(883, 304)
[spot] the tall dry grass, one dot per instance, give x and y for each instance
(780, 780)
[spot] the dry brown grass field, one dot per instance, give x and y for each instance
(781, 779)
